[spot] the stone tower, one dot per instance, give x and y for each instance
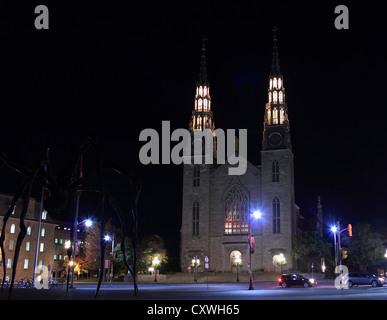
(196, 177)
(277, 171)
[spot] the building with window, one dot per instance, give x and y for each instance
(217, 209)
(45, 248)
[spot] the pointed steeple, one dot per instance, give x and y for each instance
(275, 68)
(202, 117)
(276, 113)
(203, 66)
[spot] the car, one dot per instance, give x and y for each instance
(362, 278)
(295, 279)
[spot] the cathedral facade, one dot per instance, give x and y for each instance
(235, 220)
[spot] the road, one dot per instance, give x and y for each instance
(195, 292)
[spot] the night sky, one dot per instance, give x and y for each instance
(114, 70)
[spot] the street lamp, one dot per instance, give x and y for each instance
(256, 215)
(88, 223)
(237, 261)
(155, 263)
(109, 238)
(281, 259)
(195, 262)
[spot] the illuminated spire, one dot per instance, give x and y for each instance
(202, 117)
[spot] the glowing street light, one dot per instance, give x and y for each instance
(88, 223)
(257, 214)
(155, 263)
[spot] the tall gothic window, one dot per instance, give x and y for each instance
(195, 218)
(236, 211)
(276, 215)
(275, 171)
(196, 177)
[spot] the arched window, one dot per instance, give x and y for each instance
(275, 171)
(236, 211)
(275, 95)
(196, 177)
(276, 215)
(281, 97)
(195, 218)
(200, 105)
(201, 91)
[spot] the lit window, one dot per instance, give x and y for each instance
(268, 114)
(271, 84)
(275, 116)
(13, 228)
(282, 116)
(25, 263)
(44, 215)
(28, 245)
(200, 105)
(29, 231)
(275, 96)
(205, 104)
(269, 96)
(201, 91)
(41, 249)
(275, 83)
(67, 244)
(279, 83)
(205, 91)
(43, 232)
(196, 105)
(209, 105)
(280, 97)
(55, 257)
(236, 211)
(9, 263)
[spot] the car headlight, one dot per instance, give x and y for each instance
(311, 280)
(381, 279)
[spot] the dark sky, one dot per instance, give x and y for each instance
(116, 69)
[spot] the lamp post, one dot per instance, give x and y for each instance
(108, 238)
(88, 223)
(155, 263)
(195, 262)
(237, 261)
(336, 229)
(256, 215)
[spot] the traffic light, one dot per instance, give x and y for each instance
(345, 254)
(350, 230)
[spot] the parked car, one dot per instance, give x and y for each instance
(362, 278)
(295, 279)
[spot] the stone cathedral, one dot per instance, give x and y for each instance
(220, 211)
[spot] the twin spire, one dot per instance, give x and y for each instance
(276, 109)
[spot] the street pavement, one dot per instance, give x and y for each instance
(264, 290)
